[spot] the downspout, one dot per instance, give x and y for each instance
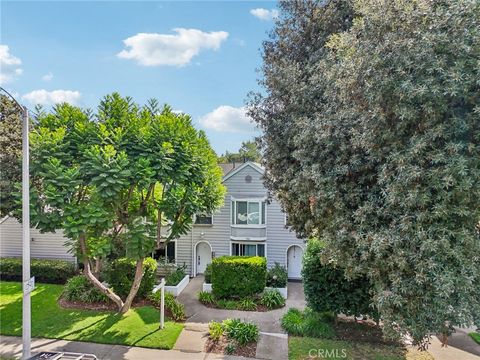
(193, 254)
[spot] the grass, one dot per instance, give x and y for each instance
(475, 336)
(138, 327)
(300, 348)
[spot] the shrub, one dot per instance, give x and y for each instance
(272, 299)
(120, 273)
(230, 348)
(206, 297)
(277, 276)
(238, 276)
(45, 271)
(227, 304)
(78, 288)
(242, 332)
(208, 274)
(292, 322)
(175, 308)
(248, 304)
(307, 323)
(327, 289)
(174, 278)
(215, 330)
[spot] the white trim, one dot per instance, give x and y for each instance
(255, 226)
(177, 289)
(247, 239)
(286, 256)
(195, 254)
(249, 243)
(4, 218)
(240, 168)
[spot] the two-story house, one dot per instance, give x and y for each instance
(246, 224)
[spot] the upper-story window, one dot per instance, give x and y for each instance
(248, 212)
(203, 219)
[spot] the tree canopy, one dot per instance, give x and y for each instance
(248, 152)
(371, 140)
(128, 176)
(11, 153)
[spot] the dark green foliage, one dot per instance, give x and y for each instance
(242, 332)
(175, 277)
(45, 271)
(175, 309)
(272, 299)
(11, 154)
(208, 274)
(327, 289)
(78, 288)
(227, 304)
(120, 273)
(249, 151)
(307, 323)
(238, 276)
(206, 297)
(230, 348)
(277, 276)
(371, 139)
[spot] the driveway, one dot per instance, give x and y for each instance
(268, 322)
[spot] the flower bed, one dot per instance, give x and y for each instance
(281, 290)
(232, 337)
(176, 290)
(269, 300)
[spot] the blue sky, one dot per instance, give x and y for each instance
(80, 51)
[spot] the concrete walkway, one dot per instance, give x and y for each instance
(11, 346)
(451, 352)
(268, 322)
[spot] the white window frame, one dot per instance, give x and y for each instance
(233, 212)
(249, 243)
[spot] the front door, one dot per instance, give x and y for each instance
(294, 262)
(204, 257)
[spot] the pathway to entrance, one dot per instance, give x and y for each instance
(268, 322)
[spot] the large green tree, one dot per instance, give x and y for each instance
(248, 151)
(372, 139)
(128, 175)
(10, 153)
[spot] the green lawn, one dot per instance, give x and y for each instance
(138, 327)
(475, 336)
(300, 348)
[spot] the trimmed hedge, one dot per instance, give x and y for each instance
(238, 276)
(45, 271)
(121, 272)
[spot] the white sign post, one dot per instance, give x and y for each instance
(161, 287)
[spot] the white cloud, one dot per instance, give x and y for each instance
(9, 65)
(45, 97)
(151, 49)
(228, 119)
(265, 14)
(48, 76)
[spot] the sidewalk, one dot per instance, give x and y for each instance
(449, 353)
(12, 346)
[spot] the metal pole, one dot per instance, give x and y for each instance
(162, 304)
(26, 309)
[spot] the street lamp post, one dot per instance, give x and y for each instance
(28, 284)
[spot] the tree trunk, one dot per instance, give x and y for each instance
(135, 286)
(89, 275)
(98, 267)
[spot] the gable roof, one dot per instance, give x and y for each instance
(235, 169)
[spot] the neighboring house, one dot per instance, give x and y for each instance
(42, 246)
(246, 224)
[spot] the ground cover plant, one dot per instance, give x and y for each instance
(137, 327)
(269, 300)
(232, 337)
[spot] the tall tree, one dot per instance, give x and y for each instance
(10, 154)
(249, 151)
(372, 139)
(129, 174)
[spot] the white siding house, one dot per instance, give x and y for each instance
(246, 224)
(42, 246)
